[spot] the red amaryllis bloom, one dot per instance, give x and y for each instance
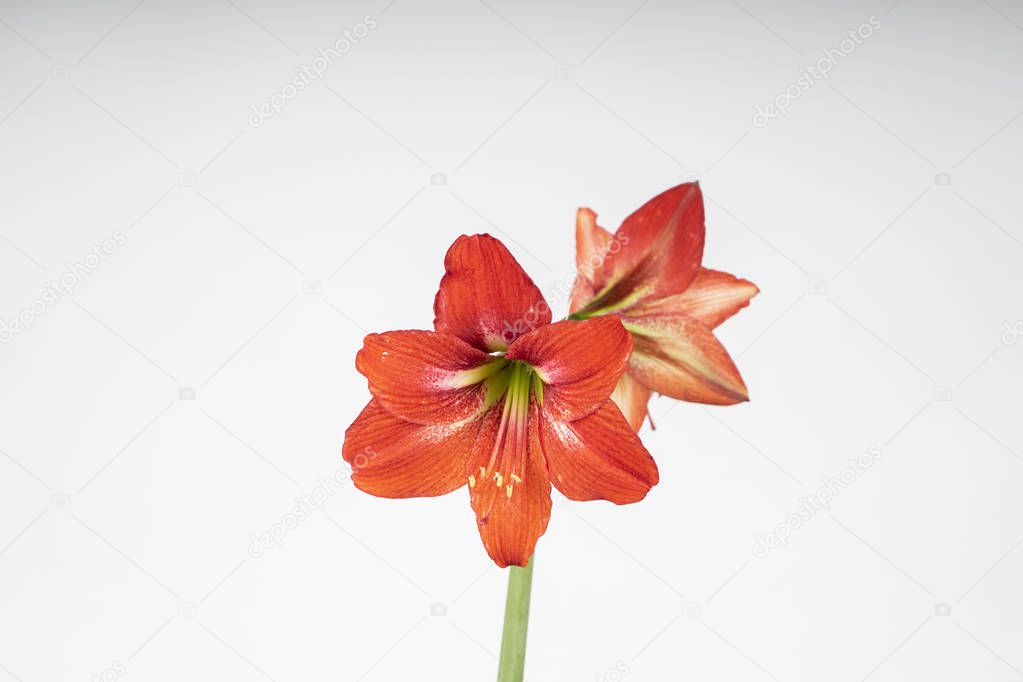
(500, 399)
(649, 274)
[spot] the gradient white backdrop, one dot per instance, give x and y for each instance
(199, 378)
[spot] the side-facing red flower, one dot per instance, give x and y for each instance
(476, 402)
(649, 274)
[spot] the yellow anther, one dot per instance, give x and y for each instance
(472, 480)
(483, 473)
(498, 478)
(508, 491)
(516, 478)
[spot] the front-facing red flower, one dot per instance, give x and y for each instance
(649, 274)
(501, 400)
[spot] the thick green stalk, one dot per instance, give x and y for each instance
(516, 622)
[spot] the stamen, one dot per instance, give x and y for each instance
(520, 387)
(521, 436)
(503, 428)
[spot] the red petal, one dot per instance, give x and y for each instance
(598, 457)
(421, 376)
(579, 362)
(581, 294)
(712, 298)
(661, 250)
(678, 356)
(592, 243)
(485, 297)
(503, 461)
(391, 457)
(631, 397)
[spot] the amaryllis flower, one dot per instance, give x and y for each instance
(649, 274)
(499, 399)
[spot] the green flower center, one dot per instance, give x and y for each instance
(512, 380)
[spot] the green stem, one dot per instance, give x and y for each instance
(516, 621)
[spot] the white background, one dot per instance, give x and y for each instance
(886, 319)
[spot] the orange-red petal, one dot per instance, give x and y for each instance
(579, 362)
(485, 297)
(661, 250)
(423, 376)
(678, 356)
(509, 488)
(391, 457)
(598, 457)
(631, 397)
(592, 244)
(712, 298)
